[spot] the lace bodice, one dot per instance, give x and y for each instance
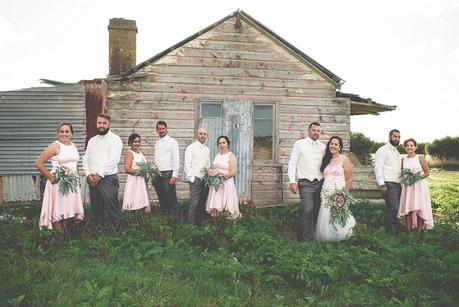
(334, 175)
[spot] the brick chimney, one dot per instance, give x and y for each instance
(122, 45)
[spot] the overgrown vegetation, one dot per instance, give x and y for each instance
(253, 261)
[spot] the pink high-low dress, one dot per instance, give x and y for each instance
(135, 190)
(415, 211)
(225, 199)
(56, 206)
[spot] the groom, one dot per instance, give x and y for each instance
(304, 164)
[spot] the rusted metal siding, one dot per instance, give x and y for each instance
(236, 123)
(214, 130)
(95, 102)
(28, 121)
(238, 127)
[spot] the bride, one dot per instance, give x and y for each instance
(337, 171)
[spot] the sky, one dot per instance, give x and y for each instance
(403, 53)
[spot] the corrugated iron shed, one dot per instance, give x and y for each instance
(28, 121)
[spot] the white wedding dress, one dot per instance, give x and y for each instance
(334, 179)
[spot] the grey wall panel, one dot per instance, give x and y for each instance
(28, 121)
(238, 128)
(21, 188)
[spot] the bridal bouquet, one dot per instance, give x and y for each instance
(68, 181)
(409, 178)
(338, 201)
(211, 177)
(148, 171)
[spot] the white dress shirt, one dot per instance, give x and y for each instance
(167, 155)
(387, 164)
(197, 157)
(305, 160)
(102, 155)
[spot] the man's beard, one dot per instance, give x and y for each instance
(103, 132)
(394, 143)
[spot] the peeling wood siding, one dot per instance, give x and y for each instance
(231, 64)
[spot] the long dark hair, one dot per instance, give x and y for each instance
(328, 155)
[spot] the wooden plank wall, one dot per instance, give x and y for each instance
(226, 63)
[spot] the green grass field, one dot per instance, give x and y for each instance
(444, 191)
(255, 261)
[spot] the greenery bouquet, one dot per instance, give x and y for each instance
(148, 171)
(211, 177)
(408, 178)
(67, 180)
(338, 202)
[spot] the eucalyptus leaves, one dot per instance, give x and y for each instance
(407, 177)
(211, 177)
(67, 180)
(148, 171)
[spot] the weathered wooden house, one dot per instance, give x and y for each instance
(237, 78)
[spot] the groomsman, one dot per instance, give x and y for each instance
(197, 157)
(304, 165)
(100, 165)
(387, 172)
(168, 162)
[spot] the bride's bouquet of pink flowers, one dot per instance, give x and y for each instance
(67, 180)
(212, 177)
(338, 202)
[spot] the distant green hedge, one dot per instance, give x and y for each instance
(445, 148)
(361, 147)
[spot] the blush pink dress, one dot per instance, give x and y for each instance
(225, 199)
(415, 211)
(135, 191)
(333, 179)
(56, 206)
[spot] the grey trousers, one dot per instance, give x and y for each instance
(198, 197)
(392, 199)
(103, 197)
(310, 198)
(167, 194)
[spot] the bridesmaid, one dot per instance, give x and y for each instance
(225, 199)
(135, 190)
(415, 211)
(58, 209)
